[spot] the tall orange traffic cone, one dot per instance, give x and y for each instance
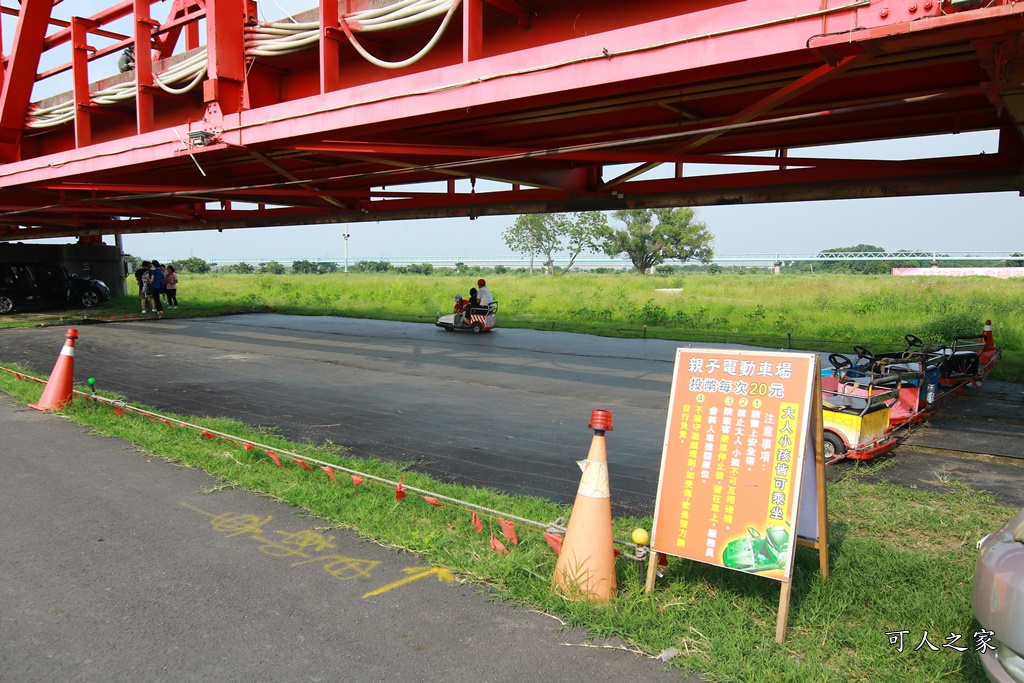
(59, 389)
(586, 563)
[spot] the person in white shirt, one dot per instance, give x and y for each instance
(484, 294)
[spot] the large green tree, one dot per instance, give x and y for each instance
(193, 264)
(556, 233)
(652, 236)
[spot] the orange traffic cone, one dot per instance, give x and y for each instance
(987, 334)
(586, 563)
(990, 352)
(59, 389)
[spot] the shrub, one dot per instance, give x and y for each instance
(192, 265)
(650, 314)
(304, 267)
(421, 269)
(944, 328)
(274, 268)
(371, 267)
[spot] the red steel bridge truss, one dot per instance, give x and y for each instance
(369, 110)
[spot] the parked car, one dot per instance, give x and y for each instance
(30, 284)
(998, 601)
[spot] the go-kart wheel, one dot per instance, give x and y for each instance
(449, 328)
(912, 341)
(477, 328)
(863, 353)
(839, 361)
(833, 446)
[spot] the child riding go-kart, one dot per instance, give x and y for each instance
(475, 319)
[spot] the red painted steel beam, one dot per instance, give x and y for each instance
(225, 20)
(19, 73)
(545, 111)
(472, 30)
(143, 25)
(784, 186)
(762, 106)
(578, 59)
(80, 79)
(121, 9)
(330, 45)
(184, 14)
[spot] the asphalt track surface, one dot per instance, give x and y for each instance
(118, 566)
(506, 410)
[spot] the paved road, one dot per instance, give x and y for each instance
(122, 567)
(506, 410)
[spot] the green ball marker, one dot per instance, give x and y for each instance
(92, 384)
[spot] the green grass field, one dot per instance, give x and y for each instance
(810, 312)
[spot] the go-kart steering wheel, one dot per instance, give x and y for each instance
(839, 361)
(912, 341)
(863, 353)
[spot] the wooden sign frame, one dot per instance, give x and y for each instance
(812, 531)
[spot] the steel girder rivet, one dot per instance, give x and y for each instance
(884, 12)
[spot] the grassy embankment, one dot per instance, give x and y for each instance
(813, 312)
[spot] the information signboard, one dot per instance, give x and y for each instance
(740, 450)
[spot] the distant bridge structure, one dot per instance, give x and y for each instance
(587, 262)
(373, 110)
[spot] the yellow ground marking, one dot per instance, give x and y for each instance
(416, 573)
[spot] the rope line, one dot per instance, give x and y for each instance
(557, 526)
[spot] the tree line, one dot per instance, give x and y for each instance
(648, 238)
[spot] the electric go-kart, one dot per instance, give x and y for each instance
(865, 400)
(476, 320)
(856, 413)
(917, 370)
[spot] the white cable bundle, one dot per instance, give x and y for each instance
(272, 40)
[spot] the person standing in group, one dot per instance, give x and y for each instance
(171, 287)
(142, 277)
(156, 287)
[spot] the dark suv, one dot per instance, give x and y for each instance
(28, 284)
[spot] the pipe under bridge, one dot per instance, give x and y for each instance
(152, 116)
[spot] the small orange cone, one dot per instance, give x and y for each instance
(586, 563)
(59, 388)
